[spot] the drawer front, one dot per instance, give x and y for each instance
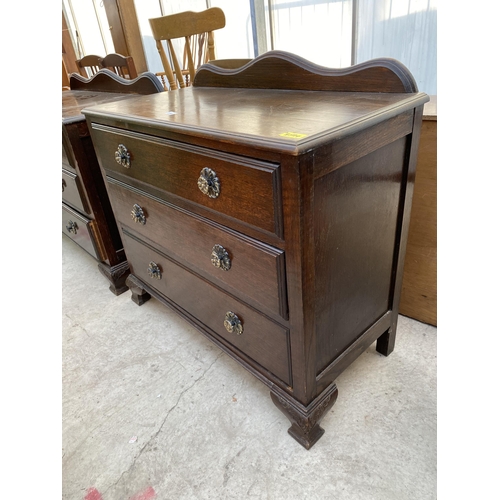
(81, 231)
(73, 192)
(65, 160)
(238, 187)
(241, 265)
(262, 340)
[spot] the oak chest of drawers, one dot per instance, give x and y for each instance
(269, 206)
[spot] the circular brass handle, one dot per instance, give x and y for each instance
(122, 156)
(233, 324)
(154, 271)
(138, 214)
(209, 183)
(71, 227)
(63, 185)
(220, 258)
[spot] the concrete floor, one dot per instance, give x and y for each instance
(153, 410)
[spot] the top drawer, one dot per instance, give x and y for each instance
(245, 189)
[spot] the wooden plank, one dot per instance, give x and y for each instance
(419, 294)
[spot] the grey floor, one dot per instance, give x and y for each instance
(153, 410)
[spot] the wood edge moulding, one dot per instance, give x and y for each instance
(293, 147)
(377, 75)
(107, 81)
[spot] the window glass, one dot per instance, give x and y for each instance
(89, 27)
(405, 30)
(317, 30)
(235, 41)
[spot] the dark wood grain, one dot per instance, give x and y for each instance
(256, 118)
(317, 195)
(107, 81)
(285, 71)
(355, 228)
(385, 344)
(305, 421)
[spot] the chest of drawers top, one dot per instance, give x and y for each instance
(278, 103)
(73, 101)
(273, 120)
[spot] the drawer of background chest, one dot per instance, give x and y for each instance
(81, 231)
(245, 189)
(66, 162)
(245, 267)
(262, 340)
(73, 192)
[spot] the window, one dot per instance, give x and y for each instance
(88, 26)
(331, 33)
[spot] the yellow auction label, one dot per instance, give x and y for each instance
(293, 135)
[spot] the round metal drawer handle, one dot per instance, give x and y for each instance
(71, 227)
(220, 258)
(154, 271)
(209, 183)
(138, 214)
(233, 324)
(63, 185)
(122, 156)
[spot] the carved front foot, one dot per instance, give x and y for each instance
(139, 295)
(305, 420)
(117, 276)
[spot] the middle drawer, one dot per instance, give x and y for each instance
(248, 269)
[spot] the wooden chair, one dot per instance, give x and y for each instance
(121, 65)
(196, 28)
(89, 65)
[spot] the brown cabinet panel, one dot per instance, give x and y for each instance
(355, 226)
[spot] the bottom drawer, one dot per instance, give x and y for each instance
(80, 230)
(262, 340)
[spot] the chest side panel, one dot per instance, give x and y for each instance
(355, 231)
